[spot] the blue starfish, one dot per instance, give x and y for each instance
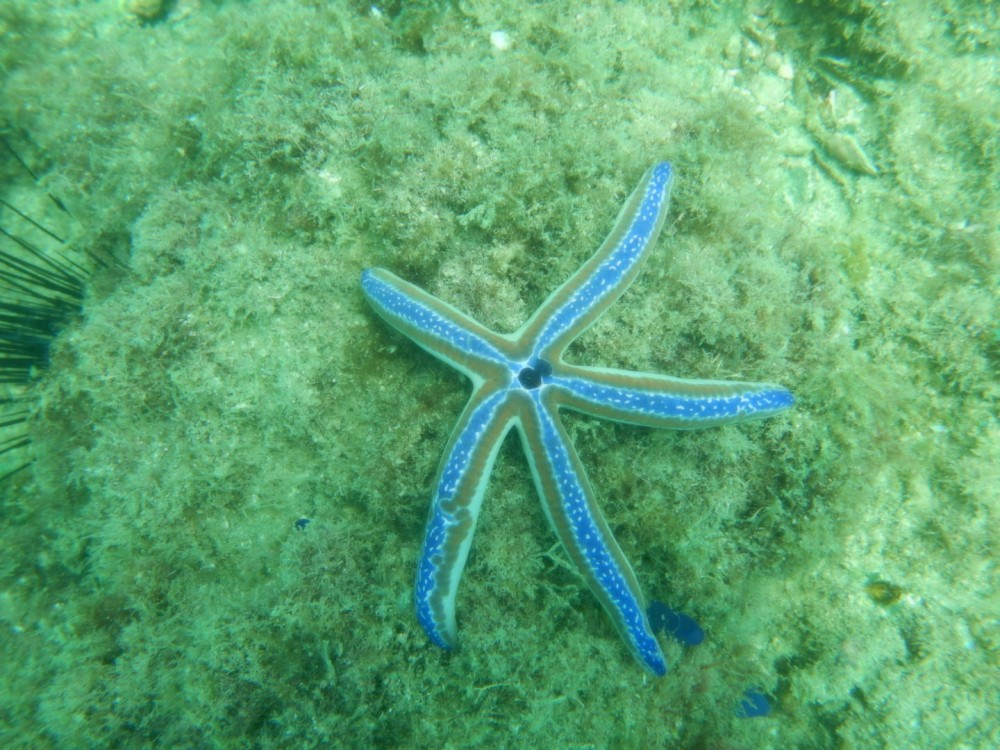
(521, 380)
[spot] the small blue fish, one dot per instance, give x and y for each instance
(753, 703)
(679, 625)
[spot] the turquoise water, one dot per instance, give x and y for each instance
(833, 229)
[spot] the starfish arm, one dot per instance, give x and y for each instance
(574, 306)
(661, 401)
(569, 504)
(458, 497)
(436, 326)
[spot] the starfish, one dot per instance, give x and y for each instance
(520, 380)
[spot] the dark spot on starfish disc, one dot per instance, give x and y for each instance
(531, 377)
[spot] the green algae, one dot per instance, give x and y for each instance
(249, 160)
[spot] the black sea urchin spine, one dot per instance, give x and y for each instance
(40, 288)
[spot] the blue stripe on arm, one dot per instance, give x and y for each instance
(574, 306)
(661, 401)
(458, 498)
(579, 524)
(435, 326)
